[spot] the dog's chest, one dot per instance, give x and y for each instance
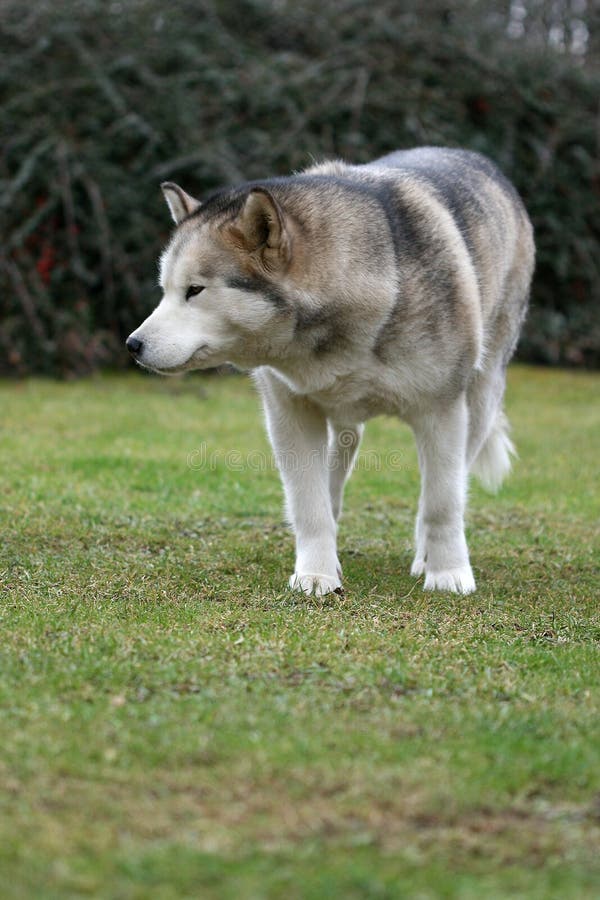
(357, 396)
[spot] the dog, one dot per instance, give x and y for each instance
(397, 287)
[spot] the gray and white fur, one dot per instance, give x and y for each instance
(397, 287)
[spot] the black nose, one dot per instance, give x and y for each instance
(134, 345)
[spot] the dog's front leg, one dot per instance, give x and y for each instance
(298, 432)
(441, 436)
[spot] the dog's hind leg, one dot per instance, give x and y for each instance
(441, 435)
(343, 447)
(298, 432)
(489, 447)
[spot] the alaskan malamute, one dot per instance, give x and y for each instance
(397, 287)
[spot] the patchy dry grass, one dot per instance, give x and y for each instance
(174, 723)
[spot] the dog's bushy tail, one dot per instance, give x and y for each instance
(493, 462)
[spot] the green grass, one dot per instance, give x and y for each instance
(174, 723)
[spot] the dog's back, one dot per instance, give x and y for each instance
(489, 215)
(431, 196)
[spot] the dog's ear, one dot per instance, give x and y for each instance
(260, 229)
(180, 203)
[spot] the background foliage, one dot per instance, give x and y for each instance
(100, 101)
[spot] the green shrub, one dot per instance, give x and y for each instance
(102, 101)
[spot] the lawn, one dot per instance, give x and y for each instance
(174, 723)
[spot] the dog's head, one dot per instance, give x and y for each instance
(223, 276)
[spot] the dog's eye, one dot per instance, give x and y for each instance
(193, 290)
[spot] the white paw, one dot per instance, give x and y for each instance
(459, 580)
(418, 566)
(319, 585)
